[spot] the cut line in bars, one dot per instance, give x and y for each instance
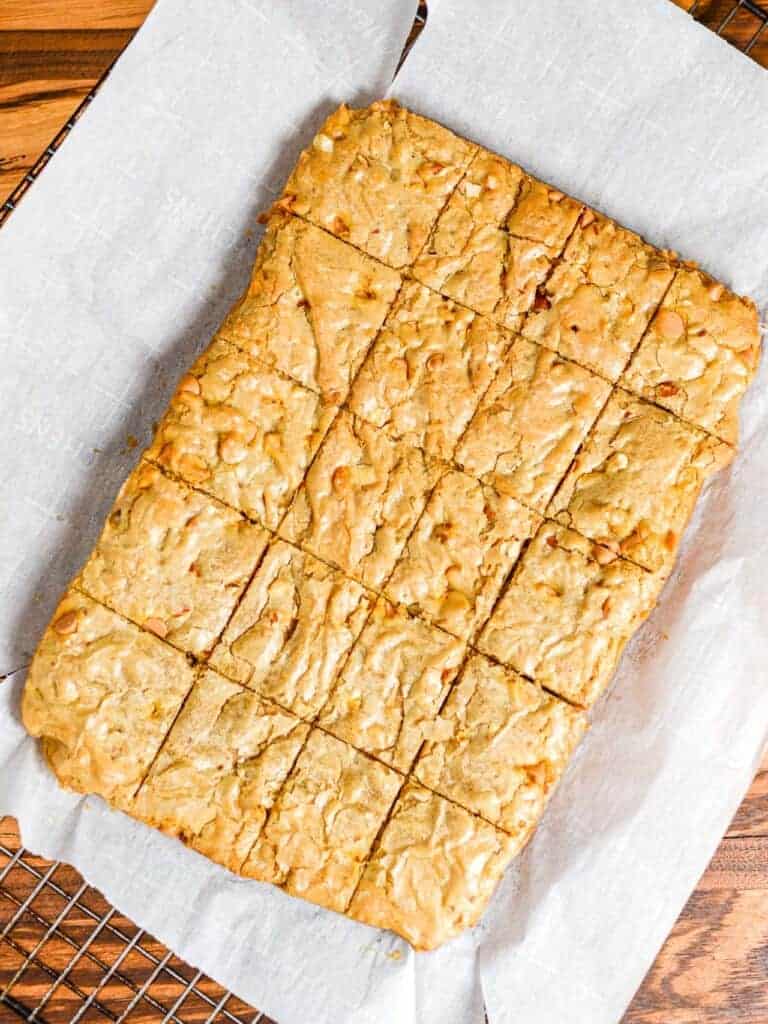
(744, 24)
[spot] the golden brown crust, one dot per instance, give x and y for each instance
(600, 298)
(377, 178)
(360, 500)
(460, 553)
(172, 560)
(531, 422)
(321, 830)
(432, 872)
(392, 686)
(102, 694)
(427, 371)
(220, 769)
(543, 214)
(473, 258)
(501, 745)
(313, 306)
(699, 354)
(293, 629)
(568, 612)
(635, 482)
(242, 432)
(371, 355)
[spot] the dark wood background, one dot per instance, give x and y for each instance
(713, 968)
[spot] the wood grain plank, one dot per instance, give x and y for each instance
(67, 14)
(52, 54)
(712, 969)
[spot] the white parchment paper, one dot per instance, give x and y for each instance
(114, 272)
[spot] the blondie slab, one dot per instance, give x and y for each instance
(172, 560)
(504, 746)
(392, 685)
(427, 371)
(360, 500)
(433, 870)
(635, 482)
(313, 306)
(323, 825)
(460, 553)
(531, 422)
(568, 612)
(435, 351)
(377, 178)
(102, 694)
(293, 629)
(471, 255)
(601, 296)
(242, 432)
(220, 769)
(699, 354)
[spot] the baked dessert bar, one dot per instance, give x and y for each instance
(567, 613)
(347, 619)
(242, 432)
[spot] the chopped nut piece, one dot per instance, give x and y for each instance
(313, 306)
(631, 504)
(568, 612)
(246, 435)
(360, 500)
(460, 553)
(321, 829)
(427, 370)
(392, 685)
(600, 297)
(293, 629)
(172, 560)
(432, 872)
(220, 769)
(699, 354)
(531, 422)
(382, 183)
(509, 743)
(102, 697)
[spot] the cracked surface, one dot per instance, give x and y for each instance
(360, 500)
(313, 306)
(392, 686)
(531, 422)
(635, 482)
(505, 745)
(220, 769)
(377, 178)
(473, 258)
(568, 612)
(172, 560)
(433, 871)
(427, 370)
(323, 825)
(460, 553)
(699, 354)
(543, 214)
(242, 432)
(600, 297)
(102, 695)
(293, 629)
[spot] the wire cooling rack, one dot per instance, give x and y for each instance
(66, 955)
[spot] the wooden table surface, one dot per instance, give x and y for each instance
(713, 968)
